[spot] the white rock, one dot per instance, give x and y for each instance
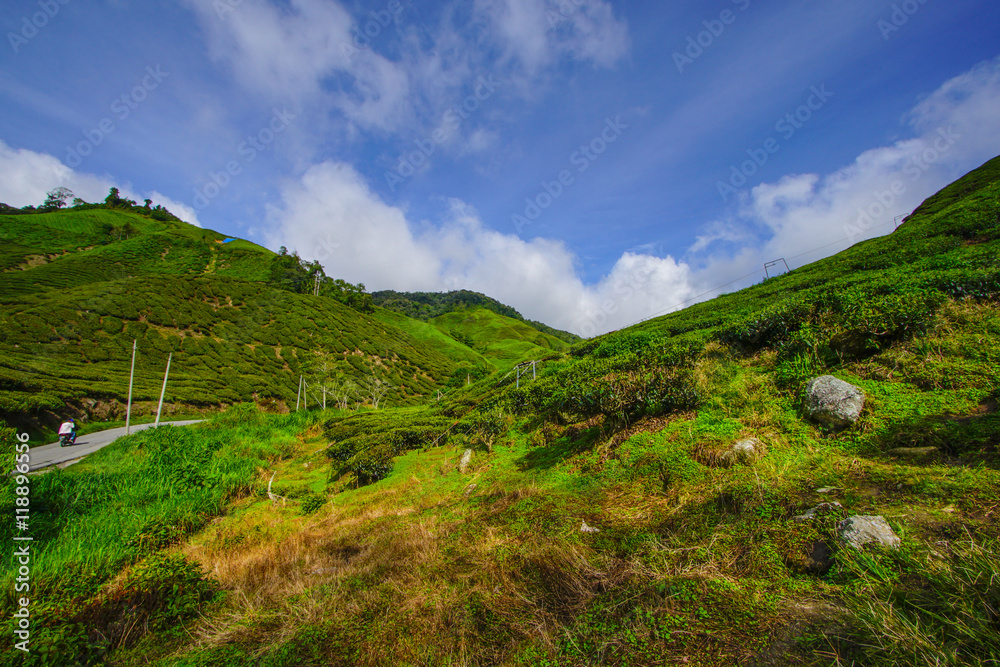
(833, 402)
(463, 465)
(588, 529)
(858, 531)
(745, 451)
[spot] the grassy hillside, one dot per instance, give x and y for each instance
(598, 519)
(502, 340)
(429, 305)
(77, 287)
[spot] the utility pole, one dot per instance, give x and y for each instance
(298, 397)
(131, 376)
(163, 391)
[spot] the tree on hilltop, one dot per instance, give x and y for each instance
(56, 199)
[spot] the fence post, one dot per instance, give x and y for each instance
(163, 391)
(131, 376)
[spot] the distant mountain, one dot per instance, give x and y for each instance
(428, 305)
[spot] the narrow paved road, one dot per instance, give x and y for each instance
(50, 455)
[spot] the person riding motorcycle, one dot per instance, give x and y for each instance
(67, 433)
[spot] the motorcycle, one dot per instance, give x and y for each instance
(67, 439)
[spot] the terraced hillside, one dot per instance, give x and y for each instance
(78, 287)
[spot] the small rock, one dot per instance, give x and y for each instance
(744, 452)
(833, 402)
(858, 531)
(469, 489)
(828, 489)
(588, 529)
(819, 560)
(463, 465)
(822, 508)
(913, 452)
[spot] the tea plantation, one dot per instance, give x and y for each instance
(594, 514)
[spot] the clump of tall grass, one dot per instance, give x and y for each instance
(936, 606)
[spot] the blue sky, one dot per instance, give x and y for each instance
(574, 159)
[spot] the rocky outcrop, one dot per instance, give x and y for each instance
(859, 531)
(833, 402)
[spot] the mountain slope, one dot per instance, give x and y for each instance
(429, 305)
(77, 287)
(503, 340)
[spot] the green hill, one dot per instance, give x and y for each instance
(503, 340)
(429, 305)
(594, 515)
(77, 287)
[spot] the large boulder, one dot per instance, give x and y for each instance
(833, 402)
(859, 531)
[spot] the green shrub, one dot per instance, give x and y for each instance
(312, 502)
(372, 464)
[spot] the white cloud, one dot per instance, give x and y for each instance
(299, 52)
(332, 215)
(537, 34)
(26, 176)
(956, 128)
(316, 53)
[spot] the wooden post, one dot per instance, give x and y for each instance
(532, 370)
(163, 391)
(131, 376)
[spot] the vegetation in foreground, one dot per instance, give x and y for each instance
(597, 521)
